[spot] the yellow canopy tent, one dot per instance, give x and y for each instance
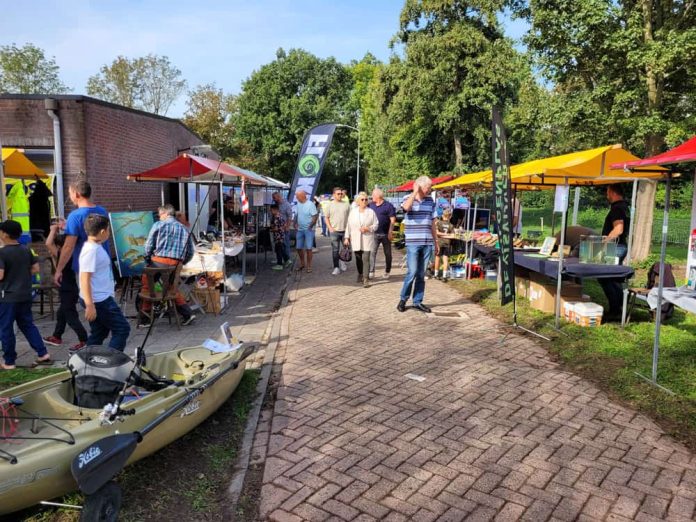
(17, 165)
(583, 168)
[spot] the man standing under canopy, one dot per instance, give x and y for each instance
(616, 226)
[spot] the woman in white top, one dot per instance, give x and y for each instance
(360, 234)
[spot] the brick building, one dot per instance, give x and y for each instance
(105, 141)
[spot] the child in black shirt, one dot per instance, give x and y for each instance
(69, 295)
(17, 264)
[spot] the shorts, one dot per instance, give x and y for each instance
(304, 239)
(445, 250)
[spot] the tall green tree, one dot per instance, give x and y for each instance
(626, 71)
(150, 83)
(209, 114)
(285, 98)
(26, 70)
(431, 105)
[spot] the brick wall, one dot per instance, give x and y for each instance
(104, 141)
(119, 143)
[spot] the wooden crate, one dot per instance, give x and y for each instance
(209, 299)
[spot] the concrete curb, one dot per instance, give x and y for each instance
(241, 465)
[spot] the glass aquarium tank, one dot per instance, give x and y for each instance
(598, 250)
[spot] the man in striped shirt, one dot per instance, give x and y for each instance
(169, 244)
(420, 230)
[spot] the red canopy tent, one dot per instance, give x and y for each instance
(189, 168)
(408, 186)
(680, 154)
(686, 152)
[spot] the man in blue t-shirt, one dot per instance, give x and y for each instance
(305, 223)
(420, 212)
(386, 215)
(80, 193)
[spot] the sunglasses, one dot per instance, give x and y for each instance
(362, 199)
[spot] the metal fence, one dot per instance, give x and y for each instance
(677, 233)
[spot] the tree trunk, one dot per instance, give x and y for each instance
(645, 203)
(457, 152)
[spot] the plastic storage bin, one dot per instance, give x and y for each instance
(588, 314)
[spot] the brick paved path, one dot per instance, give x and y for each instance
(495, 431)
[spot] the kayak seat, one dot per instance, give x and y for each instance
(99, 373)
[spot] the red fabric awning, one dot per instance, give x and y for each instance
(682, 153)
(194, 168)
(408, 186)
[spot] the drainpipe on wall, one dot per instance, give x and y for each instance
(3, 199)
(51, 107)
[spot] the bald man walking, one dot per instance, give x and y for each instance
(305, 224)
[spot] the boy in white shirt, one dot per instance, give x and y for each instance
(97, 287)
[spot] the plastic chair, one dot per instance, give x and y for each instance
(168, 278)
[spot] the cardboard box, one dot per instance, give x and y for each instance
(542, 297)
(522, 287)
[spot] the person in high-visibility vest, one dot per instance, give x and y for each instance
(18, 209)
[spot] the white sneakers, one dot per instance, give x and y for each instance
(336, 271)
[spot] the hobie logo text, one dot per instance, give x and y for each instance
(88, 456)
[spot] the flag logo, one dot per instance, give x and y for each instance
(309, 165)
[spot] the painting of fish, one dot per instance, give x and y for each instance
(130, 231)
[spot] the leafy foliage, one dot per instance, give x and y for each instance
(430, 108)
(209, 114)
(150, 83)
(26, 70)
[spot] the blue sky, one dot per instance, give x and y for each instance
(210, 41)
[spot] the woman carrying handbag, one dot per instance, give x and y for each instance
(360, 234)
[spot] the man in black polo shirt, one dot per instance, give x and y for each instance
(616, 226)
(386, 215)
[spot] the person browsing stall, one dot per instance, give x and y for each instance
(168, 244)
(305, 224)
(616, 226)
(97, 287)
(420, 231)
(278, 230)
(285, 210)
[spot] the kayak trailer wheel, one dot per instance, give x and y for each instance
(103, 505)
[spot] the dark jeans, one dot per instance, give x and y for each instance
(613, 288)
(281, 255)
(21, 314)
(362, 264)
(336, 242)
(68, 315)
(109, 319)
(382, 239)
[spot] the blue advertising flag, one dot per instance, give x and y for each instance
(310, 162)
